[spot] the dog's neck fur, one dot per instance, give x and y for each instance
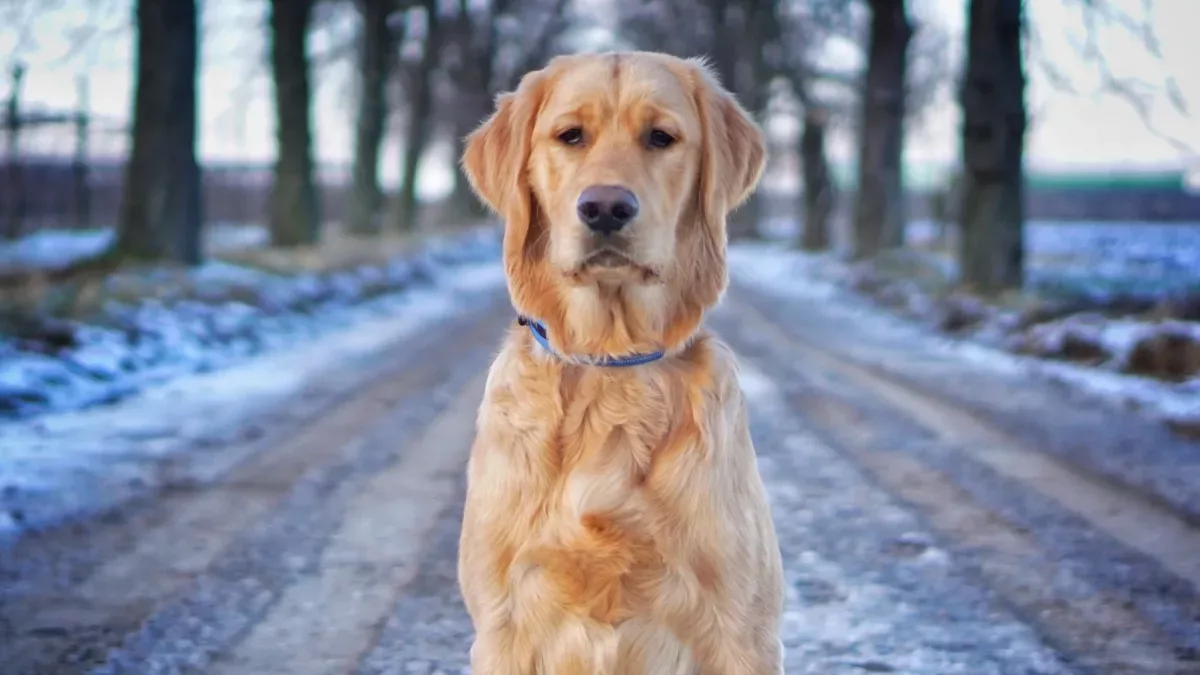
(616, 321)
(594, 319)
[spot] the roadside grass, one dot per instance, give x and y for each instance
(233, 273)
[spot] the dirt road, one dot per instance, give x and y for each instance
(935, 515)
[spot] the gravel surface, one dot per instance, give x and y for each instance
(870, 591)
(349, 562)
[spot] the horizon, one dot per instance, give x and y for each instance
(1089, 131)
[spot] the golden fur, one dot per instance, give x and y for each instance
(615, 521)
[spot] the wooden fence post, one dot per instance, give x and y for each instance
(80, 164)
(14, 190)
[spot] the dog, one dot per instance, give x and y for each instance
(615, 521)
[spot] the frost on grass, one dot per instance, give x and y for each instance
(52, 249)
(190, 374)
(1119, 314)
(160, 324)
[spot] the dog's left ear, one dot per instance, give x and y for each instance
(735, 150)
(496, 155)
(732, 158)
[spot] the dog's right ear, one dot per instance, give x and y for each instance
(496, 156)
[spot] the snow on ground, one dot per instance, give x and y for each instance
(54, 249)
(776, 268)
(850, 608)
(219, 314)
(1100, 259)
(204, 391)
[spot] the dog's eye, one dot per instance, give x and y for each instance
(660, 139)
(571, 136)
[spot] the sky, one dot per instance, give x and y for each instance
(1088, 126)
(1081, 127)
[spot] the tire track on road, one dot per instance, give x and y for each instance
(367, 562)
(855, 604)
(195, 574)
(881, 432)
(1138, 522)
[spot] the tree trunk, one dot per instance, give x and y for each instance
(724, 51)
(376, 59)
(462, 200)
(294, 211)
(81, 206)
(160, 215)
(992, 210)
(944, 204)
(473, 79)
(750, 81)
(879, 204)
(818, 187)
(939, 215)
(14, 188)
(420, 120)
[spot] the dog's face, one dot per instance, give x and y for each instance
(612, 165)
(614, 173)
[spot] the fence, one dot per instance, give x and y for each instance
(65, 169)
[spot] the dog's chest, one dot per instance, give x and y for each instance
(598, 545)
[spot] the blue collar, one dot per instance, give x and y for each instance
(538, 330)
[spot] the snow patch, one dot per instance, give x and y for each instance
(204, 319)
(779, 271)
(803, 275)
(756, 385)
(74, 452)
(53, 249)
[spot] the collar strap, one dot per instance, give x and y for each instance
(538, 330)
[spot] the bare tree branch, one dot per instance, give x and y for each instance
(1036, 57)
(1137, 93)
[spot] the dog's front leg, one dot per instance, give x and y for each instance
(741, 655)
(580, 646)
(493, 653)
(574, 647)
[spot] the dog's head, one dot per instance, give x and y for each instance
(614, 174)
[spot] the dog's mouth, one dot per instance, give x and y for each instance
(608, 258)
(610, 264)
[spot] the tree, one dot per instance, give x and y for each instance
(654, 25)
(732, 35)
(943, 208)
(991, 210)
(801, 32)
(294, 210)
(160, 215)
(419, 123)
(471, 66)
(376, 55)
(879, 207)
(989, 201)
(494, 44)
(753, 21)
(819, 193)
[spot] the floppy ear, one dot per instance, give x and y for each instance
(732, 157)
(496, 155)
(734, 147)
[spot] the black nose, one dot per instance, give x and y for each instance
(606, 208)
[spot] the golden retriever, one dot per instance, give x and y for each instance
(615, 521)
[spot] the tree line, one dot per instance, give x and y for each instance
(760, 47)
(435, 65)
(757, 46)
(439, 66)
